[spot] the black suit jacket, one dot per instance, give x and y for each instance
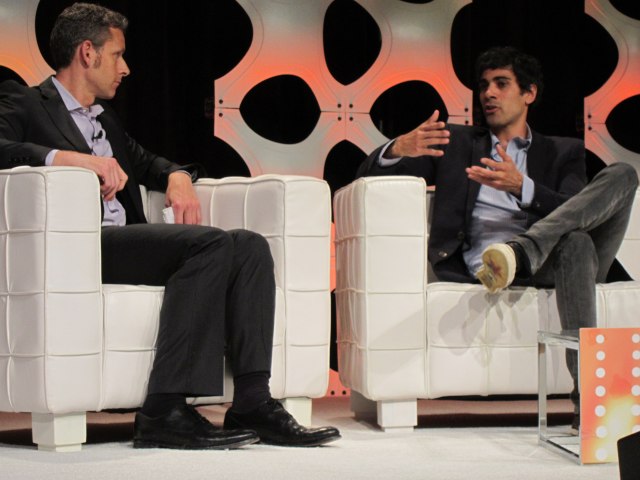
(556, 165)
(33, 121)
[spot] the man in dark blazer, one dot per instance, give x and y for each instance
(512, 205)
(219, 286)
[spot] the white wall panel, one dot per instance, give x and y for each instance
(623, 83)
(288, 40)
(18, 45)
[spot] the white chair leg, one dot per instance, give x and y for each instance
(397, 415)
(59, 432)
(300, 408)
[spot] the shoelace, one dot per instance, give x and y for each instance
(198, 415)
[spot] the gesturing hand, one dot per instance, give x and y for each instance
(421, 140)
(502, 176)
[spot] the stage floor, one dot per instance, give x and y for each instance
(455, 439)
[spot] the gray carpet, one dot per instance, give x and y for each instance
(456, 439)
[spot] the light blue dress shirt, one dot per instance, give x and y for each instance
(87, 121)
(497, 216)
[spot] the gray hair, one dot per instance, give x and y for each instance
(80, 22)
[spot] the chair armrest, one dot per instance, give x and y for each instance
(291, 212)
(52, 324)
(381, 247)
(294, 214)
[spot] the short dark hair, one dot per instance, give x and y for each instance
(80, 22)
(526, 68)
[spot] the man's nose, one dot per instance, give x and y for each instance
(124, 70)
(490, 91)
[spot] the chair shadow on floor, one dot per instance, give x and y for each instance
(472, 420)
(492, 411)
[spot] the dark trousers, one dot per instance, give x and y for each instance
(219, 297)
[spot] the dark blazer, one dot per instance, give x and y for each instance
(556, 165)
(33, 121)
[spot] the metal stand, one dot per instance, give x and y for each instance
(560, 440)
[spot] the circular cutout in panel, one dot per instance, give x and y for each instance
(341, 165)
(231, 34)
(282, 109)
(403, 107)
(599, 55)
(8, 74)
(223, 160)
(594, 164)
(619, 121)
(46, 14)
(351, 39)
(220, 30)
(630, 8)
(462, 38)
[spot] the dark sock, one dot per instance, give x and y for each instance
(250, 391)
(523, 266)
(158, 404)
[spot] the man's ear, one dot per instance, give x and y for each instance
(86, 53)
(531, 94)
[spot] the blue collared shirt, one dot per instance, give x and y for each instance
(497, 216)
(87, 121)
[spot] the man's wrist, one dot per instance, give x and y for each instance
(390, 153)
(181, 171)
(527, 190)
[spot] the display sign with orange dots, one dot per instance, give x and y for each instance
(610, 390)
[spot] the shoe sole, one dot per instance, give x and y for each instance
(498, 267)
(226, 446)
(314, 443)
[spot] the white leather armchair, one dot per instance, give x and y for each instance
(401, 338)
(69, 344)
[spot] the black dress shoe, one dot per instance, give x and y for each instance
(276, 426)
(185, 429)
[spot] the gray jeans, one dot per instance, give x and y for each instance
(573, 247)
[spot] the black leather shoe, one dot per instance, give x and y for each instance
(276, 426)
(523, 265)
(185, 429)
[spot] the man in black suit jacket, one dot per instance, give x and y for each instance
(219, 286)
(556, 166)
(511, 204)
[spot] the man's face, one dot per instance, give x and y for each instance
(109, 66)
(505, 106)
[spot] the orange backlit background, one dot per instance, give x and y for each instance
(310, 87)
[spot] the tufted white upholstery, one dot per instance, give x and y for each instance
(69, 344)
(401, 338)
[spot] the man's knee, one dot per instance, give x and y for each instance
(211, 241)
(252, 244)
(625, 175)
(576, 246)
